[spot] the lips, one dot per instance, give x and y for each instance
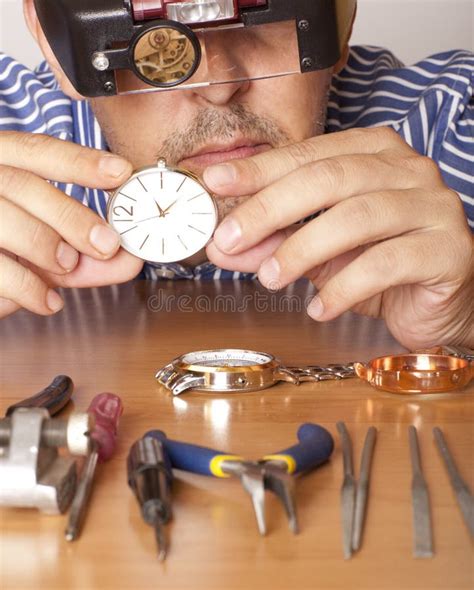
(211, 155)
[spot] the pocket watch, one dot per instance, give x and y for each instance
(163, 214)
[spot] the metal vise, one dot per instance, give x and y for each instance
(32, 473)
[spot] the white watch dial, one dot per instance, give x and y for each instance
(228, 357)
(163, 215)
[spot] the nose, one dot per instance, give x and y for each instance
(221, 74)
(221, 94)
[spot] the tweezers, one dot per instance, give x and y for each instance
(354, 496)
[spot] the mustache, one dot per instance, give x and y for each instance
(210, 125)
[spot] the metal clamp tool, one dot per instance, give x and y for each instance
(272, 472)
(32, 473)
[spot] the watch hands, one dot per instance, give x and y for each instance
(160, 210)
(148, 218)
(169, 207)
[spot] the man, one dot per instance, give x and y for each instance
(393, 240)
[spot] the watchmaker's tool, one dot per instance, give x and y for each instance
(273, 472)
(231, 370)
(150, 477)
(32, 473)
(363, 487)
(354, 495)
(461, 489)
(106, 409)
(423, 538)
(53, 398)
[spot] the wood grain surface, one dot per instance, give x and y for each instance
(114, 339)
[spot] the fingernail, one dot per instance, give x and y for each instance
(269, 274)
(66, 256)
(227, 235)
(104, 239)
(54, 301)
(315, 308)
(113, 166)
(221, 175)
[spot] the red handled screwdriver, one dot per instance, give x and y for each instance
(106, 408)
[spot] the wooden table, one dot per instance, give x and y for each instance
(115, 338)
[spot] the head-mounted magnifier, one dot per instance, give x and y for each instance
(109, 47)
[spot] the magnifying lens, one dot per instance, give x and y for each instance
(166, 54)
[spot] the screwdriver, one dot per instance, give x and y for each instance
(150, 476)
(106, 409)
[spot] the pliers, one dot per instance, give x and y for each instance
(272, 472)
(53, 398)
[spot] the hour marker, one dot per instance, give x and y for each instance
(144, 241)
(196, 229)
(144, 187)
(126, 220)
(124, 195)
(163, 246)
(179, 188)
(129, 229)
(161, 180)
(201, 213)
(179, 238)
(195, 197)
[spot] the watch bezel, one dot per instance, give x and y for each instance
(180, 364)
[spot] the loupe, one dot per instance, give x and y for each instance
(165, 54)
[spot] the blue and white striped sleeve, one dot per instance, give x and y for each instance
(456, 157)
(28, 104)
(430, 104)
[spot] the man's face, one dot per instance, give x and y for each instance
(199, 127)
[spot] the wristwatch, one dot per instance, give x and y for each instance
(233, 370)
(163, 214)
(230, 370)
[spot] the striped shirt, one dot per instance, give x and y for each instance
(429, 104)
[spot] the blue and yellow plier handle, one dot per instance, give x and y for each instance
(272, 472)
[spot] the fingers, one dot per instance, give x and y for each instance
(305, 191)
(7, 307)
(63, 161)
(24, 288)
(357, 221)
(76, 224)
(249, 175)
(383, 266)
(97, 273)
(28, 237)
(251, 259)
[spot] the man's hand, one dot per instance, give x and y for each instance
(47, 238)
(393, 242)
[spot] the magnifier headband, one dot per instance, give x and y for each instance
(109, 47)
